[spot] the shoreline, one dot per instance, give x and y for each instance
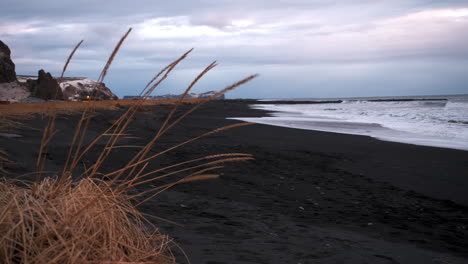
(308, 196)
(399, 130)
(423, 142)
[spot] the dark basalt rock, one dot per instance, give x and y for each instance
(7, 67)
(45, 87)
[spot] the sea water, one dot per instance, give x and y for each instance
(440, 121)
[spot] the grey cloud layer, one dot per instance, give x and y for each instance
(241, 34)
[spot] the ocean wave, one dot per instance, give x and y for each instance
(427, 119)
(434, 103)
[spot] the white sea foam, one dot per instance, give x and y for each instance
(431, 123)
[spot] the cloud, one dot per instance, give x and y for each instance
(249, 35)
(175, 28)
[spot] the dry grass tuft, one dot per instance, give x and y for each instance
(67, 224)
(95, 219)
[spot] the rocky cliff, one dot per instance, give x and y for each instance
(7, 67)
(10, 89)
(82, 88)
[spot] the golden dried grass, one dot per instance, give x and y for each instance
(49, 225)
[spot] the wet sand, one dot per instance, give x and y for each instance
(308, 197)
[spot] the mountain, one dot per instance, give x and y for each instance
(205, 95)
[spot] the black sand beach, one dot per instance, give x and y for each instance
(308, 197)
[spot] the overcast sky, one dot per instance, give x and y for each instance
(300, 48)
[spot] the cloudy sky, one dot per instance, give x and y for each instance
(300, 48)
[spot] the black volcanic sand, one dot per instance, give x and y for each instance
(308, 197)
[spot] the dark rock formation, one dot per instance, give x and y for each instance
(104, 93)
(7, 67)
(45, 87)
(85, 89)
(101, 92)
